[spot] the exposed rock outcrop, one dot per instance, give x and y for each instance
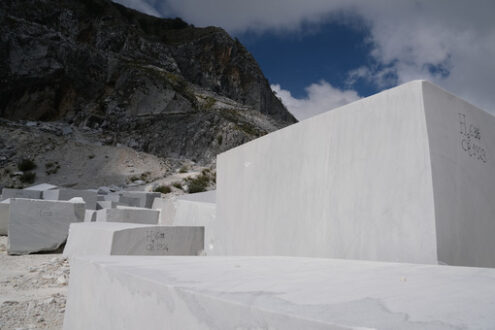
(157, 85)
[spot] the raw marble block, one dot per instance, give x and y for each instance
(90, 216)
(181, 211)
(105, 205)
(274, 293)
(21, 193)
(65, 194)
(4, 216)
(406, 175)
(130, 214)
(187, 210)
(145, 198)
(42, 187)
(40, 225)
(117, 238)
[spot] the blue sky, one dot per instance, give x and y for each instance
(321, 54)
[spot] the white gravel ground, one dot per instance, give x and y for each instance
(32, 290)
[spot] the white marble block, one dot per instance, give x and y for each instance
(64, 194)
(176, 211)
(42, 187)
(406, 175)
(21, 193)
(4, 216)
(274, 293)
(188, 210)
(138, 198)
(90, 216)
(128, 214)
(105, 205)
(117, 238)
(40, 225)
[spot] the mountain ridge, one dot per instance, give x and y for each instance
(157, 85)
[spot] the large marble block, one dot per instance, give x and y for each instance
(138, 198)
(90, 216)
(41, 225)
(275, 293)
(21, 193)
(116, 238)
(129, 214)
(405, 175)
(42, 187)
(182, 210)
(188, 210)
(4, 216)
(65, 194)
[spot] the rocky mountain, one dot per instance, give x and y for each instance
(160, 86)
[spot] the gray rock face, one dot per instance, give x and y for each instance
(161, 85)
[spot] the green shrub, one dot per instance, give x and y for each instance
(219, 140)
(28, 177)
(163, 189)
(177, 185)
(198, 184)
(51, 168)
(26, 165)
(183, 169)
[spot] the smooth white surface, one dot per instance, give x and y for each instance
(114, 238)
(462, 147)
(206, 197)
(384, 178)
(105, 205)
(20, 193)
(40, 225)
(42, 187)
(4, 216)
(132, 215)
(354, 183)
(65, 194)
(275, 293)
(183, 212)
(90, 216)
(143, 198)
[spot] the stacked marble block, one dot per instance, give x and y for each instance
(403, 180)
(153, 226)
(37, 219)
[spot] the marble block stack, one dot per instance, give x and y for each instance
(39, 218)
(402, 182)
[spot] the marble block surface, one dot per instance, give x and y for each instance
(21, 193)
(406, 175)
(138, 198)
(128, 214)
(4, 216)
(64, 194)
(40, 225)
(117, 238)
(187, 210)
(275, 293)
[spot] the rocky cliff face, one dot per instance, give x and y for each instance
(157, 85)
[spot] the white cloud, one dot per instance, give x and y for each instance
(321, 97)
(146, 7)
(408, 38)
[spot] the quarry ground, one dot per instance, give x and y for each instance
(32, 290)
